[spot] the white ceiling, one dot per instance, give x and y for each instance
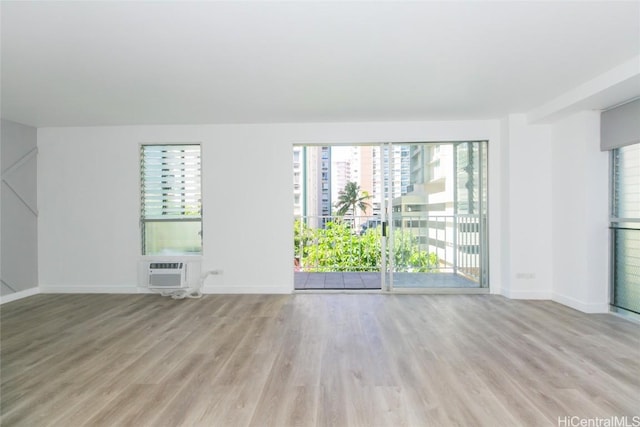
(109, 63)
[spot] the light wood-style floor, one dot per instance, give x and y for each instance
(370, 280)
(312, 359)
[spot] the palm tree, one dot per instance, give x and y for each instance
(350, 199)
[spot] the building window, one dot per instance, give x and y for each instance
(625, 227)
(170, 200)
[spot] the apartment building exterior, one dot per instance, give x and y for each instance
(312, 184)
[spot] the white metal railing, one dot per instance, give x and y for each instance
(334, 243)
(418, 242)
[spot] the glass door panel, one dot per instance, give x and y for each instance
(436, 207)
(337, 226)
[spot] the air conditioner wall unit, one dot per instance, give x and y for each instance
(167, 275)
(168, 272)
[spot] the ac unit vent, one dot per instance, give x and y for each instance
(167, 275)
(165, 265)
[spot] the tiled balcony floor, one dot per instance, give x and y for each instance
(369, 280)
(337, 280)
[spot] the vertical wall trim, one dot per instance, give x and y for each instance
(18, 163)
(19, 222)
(24, 202)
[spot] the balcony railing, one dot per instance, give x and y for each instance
(419, 243)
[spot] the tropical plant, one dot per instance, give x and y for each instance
(351, 198)
(336, 248)
(302, 238)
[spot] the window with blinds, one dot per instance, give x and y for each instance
(170, 199)
(625, 227)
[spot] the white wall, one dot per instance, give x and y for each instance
(503, 264)
(18, 222)
(528, 210)
(547, 183)
(580, 214)
(554, 203)
(88, 193)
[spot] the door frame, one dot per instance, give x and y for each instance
(387, 217)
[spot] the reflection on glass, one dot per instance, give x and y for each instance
(173, 238)
(627, 269)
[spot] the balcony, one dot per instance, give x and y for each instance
(424, 251)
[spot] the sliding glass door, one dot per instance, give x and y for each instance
(390, 216)
(436, 209)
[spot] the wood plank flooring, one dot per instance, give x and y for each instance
(370, 280)
(312, 360)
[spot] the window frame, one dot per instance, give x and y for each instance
(143, 221)
(617, 223)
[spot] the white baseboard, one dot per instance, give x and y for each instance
(561, 299)
(247, 290)
(581, 306)
(120, 289)
(19, 295)
(88, 289)
(537, 295)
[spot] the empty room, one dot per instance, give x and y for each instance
(320, 213)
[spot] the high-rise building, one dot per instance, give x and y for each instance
(430, 179)
(298, 181)
(366, 176)
(325, 184)
(394, 177)
(340, 175)
(318, 178)
(315, 181)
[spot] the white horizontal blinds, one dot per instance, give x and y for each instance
(171, 182)
(620, 126)
(626, 182)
